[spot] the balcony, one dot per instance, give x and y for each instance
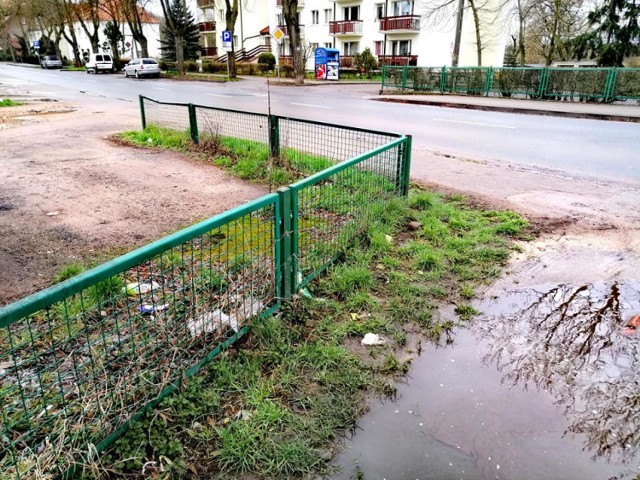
(346, 61)
(398, 60)
(400, 24)
(209, 51)
(345, 27)
(206, 3)
(207, 26)
(300, 3)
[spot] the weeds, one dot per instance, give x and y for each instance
(274, 408)
(7, 102)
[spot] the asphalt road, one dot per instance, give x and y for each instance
(575, 147)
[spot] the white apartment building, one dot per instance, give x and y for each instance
(398, 32)
(251, 33)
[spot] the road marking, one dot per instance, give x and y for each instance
(476, 124)
(259, 94)
(309, 105)
(160, 88)
(217, 95)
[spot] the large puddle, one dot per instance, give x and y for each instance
(544, 385)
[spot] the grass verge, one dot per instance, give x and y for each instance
(246, 159)
(275, 406)
(7, 102)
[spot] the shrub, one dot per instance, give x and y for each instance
(365, 62)
(268, 59)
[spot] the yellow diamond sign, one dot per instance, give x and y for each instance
(278, 34)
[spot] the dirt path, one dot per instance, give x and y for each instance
(69, 194)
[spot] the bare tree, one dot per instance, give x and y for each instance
(553, 23)
(87, 13)
(133, 11)
(290, 14)
(483, 13)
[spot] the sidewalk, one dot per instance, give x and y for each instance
(595, 111)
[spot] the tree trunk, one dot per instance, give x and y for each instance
(179, 53)
(554, 32)
(476, 26)
(144, 44)
(231, 15)
(521, 53)
(290, 13)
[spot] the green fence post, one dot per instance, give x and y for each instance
(285, 241)
(406, 167)
(274, 136)
(384, 74)
(404, 78)
(610, 86)
(443, 79)
(544, 79)
(193, 124)
(142, 115)
(488, 81)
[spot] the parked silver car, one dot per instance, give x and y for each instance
(51, 61)
(142, 67)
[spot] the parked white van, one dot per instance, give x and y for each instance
(99, 62)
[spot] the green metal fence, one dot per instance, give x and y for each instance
(81, 360)
(584, 84)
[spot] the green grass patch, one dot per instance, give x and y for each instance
(245, 159)
(275, 406)
(7, 102)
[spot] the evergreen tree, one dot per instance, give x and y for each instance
(615, 33)
(184, 25)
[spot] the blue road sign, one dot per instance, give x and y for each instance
(226, 35)
(35, 44)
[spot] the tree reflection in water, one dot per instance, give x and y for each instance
(571, 341)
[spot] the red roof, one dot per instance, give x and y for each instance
(108, 8)
(265, 31)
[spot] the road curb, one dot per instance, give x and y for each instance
(526, 111)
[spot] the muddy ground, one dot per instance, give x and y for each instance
(67, 193)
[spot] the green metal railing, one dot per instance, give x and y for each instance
(597, 84)
(83, 359)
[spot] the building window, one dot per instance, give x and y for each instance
(328, 45)
(350, 48)
(352, 13)
(377, 48)
(314, 46)
(379, 11)
(315, 17)
(221, 13)
(403, 7)
(401, 47)
(327, 15)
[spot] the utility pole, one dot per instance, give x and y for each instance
(456, 43)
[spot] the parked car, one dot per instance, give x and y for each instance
(142, 67)
(99, 62)
(51, 61)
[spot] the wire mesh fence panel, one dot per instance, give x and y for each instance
(424, 79)
(582, 83)
(313, 146)
(168, 115)
(333, 207)
(627, 84)
(471, 81)
(511, 81)
(78, 360)
(393, 76)
(234, 125)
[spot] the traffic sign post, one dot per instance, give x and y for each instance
(227, 41)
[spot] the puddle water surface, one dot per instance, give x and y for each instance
(544, 385)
